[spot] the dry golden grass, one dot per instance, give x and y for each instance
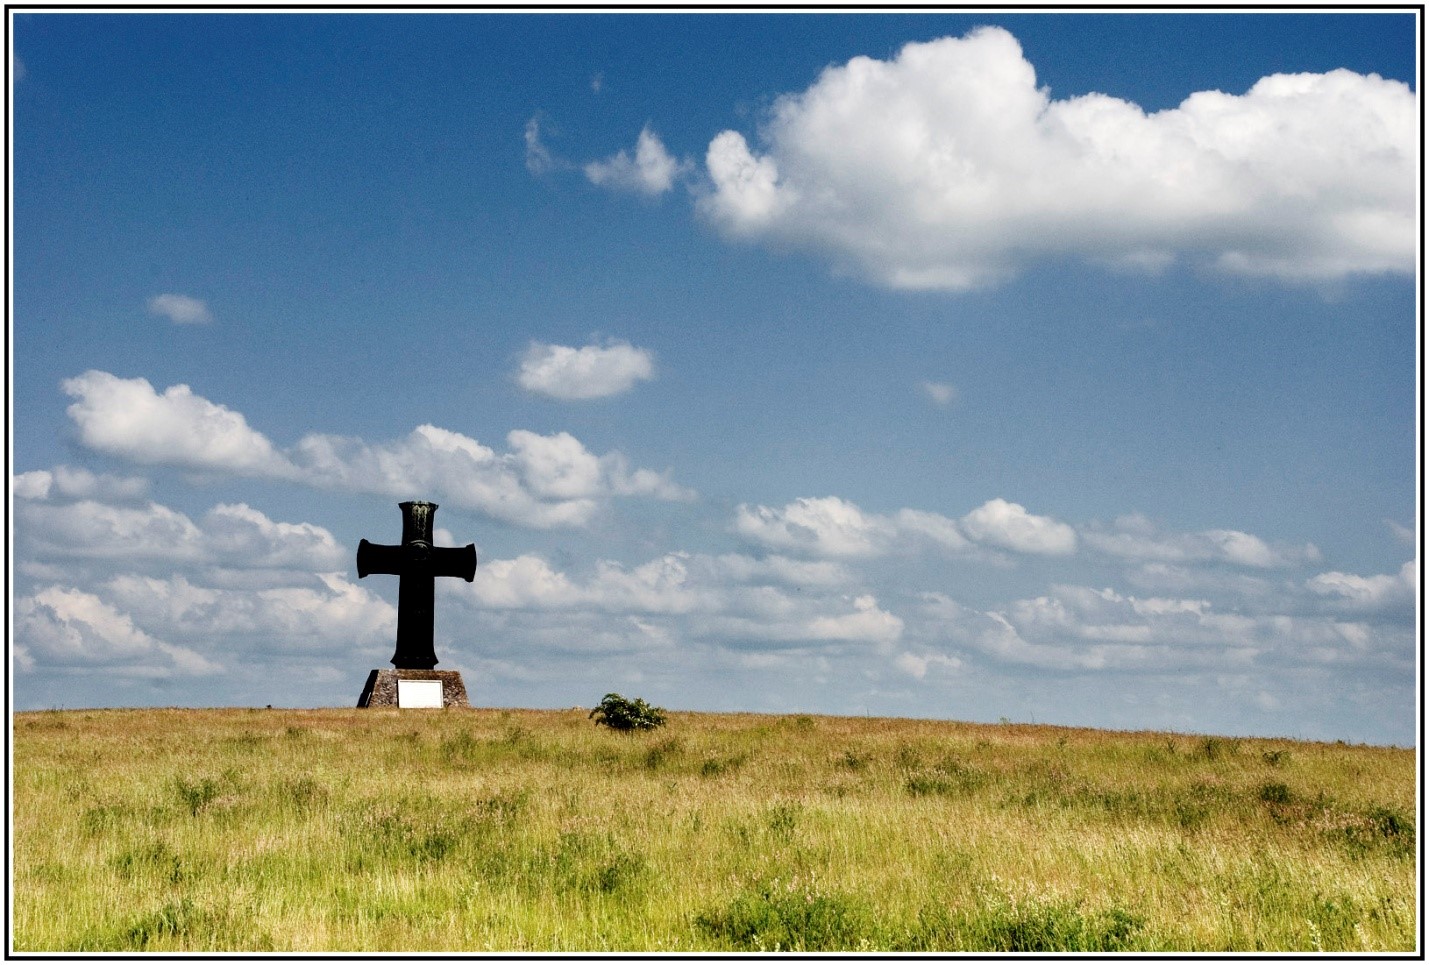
(384, 830)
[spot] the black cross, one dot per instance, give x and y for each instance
(417, 562)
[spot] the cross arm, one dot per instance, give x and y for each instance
(376, 558)
(455, 561)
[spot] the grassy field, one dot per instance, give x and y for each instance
(384, 830)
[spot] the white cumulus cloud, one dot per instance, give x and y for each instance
(826, 526)
(68, 482)
(589, 372)
(917, 665)
(320, 612)
(127, 418)
(1134, 537)
(1079, 628)
(1010, 526)
(1368, 591)
(866, 623)
(833, 527)
(227, 535)
(544, 481)
(948, 167)
(830, 526)
(238, 532)
(730, 600)
(68, 628)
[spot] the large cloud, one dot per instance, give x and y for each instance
(947, 167)
(123, 581)
(544, 481)
(69, 629)
(228, 534)
(315, 613)
(127, 418)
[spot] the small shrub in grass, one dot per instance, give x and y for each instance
(1378, 829)
(715, 766)
(853, 761)
(950, 776)
(783, 818)
(790, 917)
(303, 793)
(1035, 924)
(1215, 748)
(919, 785)
(622, 713)
(1273, 792)
(663, 753)
(196, 796)
(155, 861)
(182, 924)
(104, 817)
(624, 871)
(175, 919)
(460, 747)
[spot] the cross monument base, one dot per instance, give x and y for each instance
(382, 689)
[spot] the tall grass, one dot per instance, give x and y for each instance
(383, 830)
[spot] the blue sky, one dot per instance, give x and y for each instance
(1048, 367)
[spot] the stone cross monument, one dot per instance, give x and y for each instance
(416, 563)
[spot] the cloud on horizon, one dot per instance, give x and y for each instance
(118, 582)
(1076, 628)
(946, 167)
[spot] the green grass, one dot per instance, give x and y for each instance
(382, 830)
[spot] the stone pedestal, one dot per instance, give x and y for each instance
(381, 689)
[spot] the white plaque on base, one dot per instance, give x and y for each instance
(419, 693)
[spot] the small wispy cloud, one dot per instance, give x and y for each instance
(651, 171)
(180, 309)
(539, 159)
(1402, 533)
(941, 393)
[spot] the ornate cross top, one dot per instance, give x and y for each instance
(417, 563)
